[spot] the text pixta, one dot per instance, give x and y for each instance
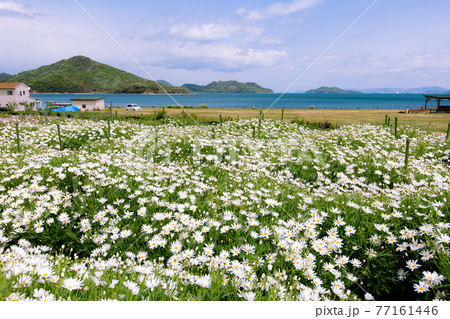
(337, 311)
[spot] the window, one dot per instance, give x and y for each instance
(83, 106)
(20, 93)
(10, 93)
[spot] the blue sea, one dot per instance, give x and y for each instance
(247, 100)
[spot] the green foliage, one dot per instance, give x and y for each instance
(298, 122)
(28, 107)
(4, 76)
(326, 89)
(11, 106)
(227, 87)
(163, 82)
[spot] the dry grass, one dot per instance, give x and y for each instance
(436, 122)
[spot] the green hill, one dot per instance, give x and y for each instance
(4, 75)
(80, 74)
(335, 90)
(227, 87)
(164, 82)
(194, 87)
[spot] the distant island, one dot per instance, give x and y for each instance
(417, 90)
(332, 90)
(227, 87)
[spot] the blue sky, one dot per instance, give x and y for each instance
(398, 43)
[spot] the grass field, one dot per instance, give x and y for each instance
(434, 122)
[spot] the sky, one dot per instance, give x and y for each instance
(279, 44)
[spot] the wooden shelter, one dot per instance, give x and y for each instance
(438, 98)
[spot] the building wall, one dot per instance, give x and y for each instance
(100, 104)
(90, 105)
(5, 98)
(20, 95)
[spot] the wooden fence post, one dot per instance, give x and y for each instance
(259, 123)
(407, 152)
(74, 184)
(448, 132)
(109, 129)
(59, 136)
(17, 137)
(395, 130)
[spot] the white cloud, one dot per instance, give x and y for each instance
(240, 11)
(204, 32)
(281, 9)
(12, 9)
(374, 65)
(149, 34)
(220, 57)
(252, 34)
(256, 15)
(12, 6)
(272, 40)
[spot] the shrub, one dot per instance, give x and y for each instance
(11, 106)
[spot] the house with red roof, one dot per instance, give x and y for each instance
(15, 92)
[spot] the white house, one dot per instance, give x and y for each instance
(89, 103)
(16, 92)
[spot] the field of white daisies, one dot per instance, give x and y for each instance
(116, 210)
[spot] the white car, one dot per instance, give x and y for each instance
(133, 107)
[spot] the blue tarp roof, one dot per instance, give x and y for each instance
(68, 108)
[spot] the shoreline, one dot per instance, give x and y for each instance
(111, 93)
(437, 122)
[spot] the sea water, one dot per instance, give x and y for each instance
(256, 100)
